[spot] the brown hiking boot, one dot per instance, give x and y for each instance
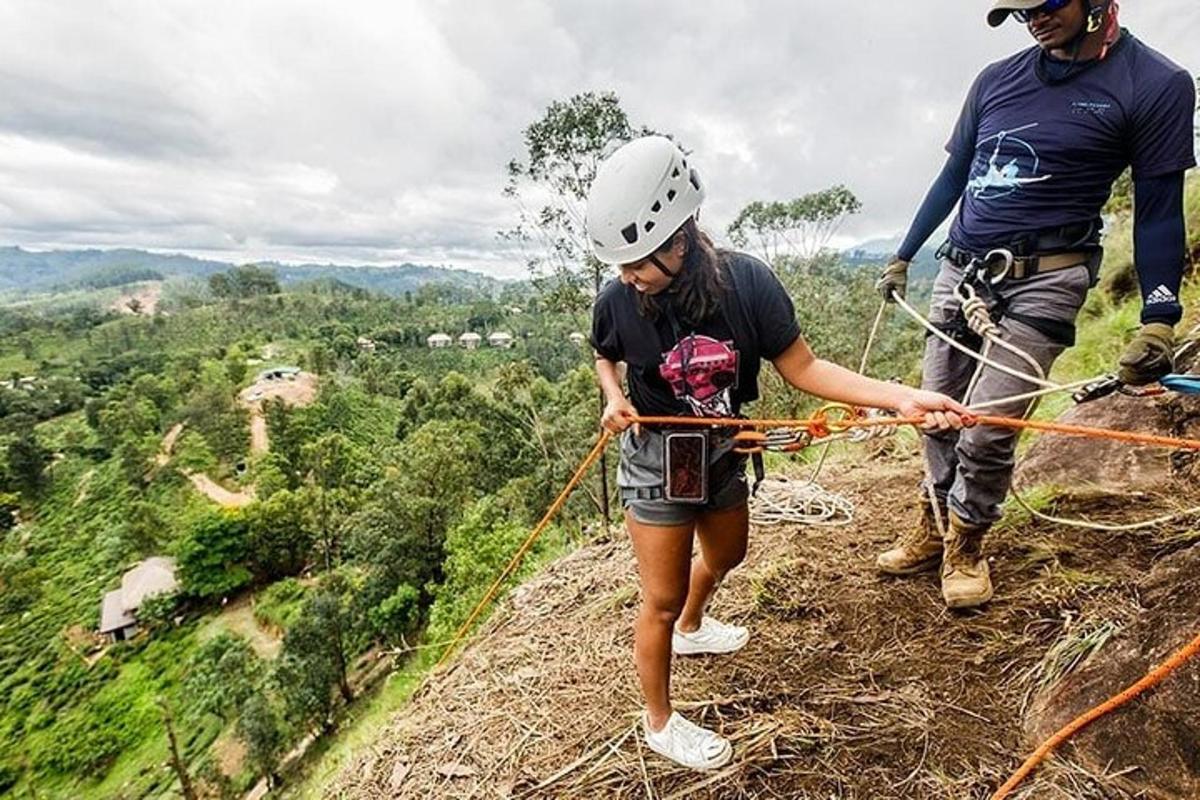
(917, 550)
(966, 577)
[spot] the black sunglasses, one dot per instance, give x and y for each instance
(1048, 7)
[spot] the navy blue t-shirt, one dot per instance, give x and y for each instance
(757, 320)
(1046, 155)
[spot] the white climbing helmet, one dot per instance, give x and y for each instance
(642, 194)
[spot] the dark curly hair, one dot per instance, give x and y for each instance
(697, 290)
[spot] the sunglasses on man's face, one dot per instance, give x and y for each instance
(1048, 7)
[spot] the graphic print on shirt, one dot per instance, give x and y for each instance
(703, 372)
(1013, 163)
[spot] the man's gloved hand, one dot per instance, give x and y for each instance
(1150, 355)
(894, 278)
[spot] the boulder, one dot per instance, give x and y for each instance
(1152, 744)
(1088, 466)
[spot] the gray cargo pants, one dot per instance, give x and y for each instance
(971, 470)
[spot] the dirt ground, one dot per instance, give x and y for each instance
(238, 618)
(853, 686)
(147, 295)
(299, 391)
(218, 493)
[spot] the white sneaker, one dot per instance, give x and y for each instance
(711, 637)
(687, 744)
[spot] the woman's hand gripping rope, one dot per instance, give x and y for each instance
(618, 415)
(938, 411)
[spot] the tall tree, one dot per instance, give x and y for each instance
(26, 458)
(177, 763)
(314, 660)
(801, 227)
(259, 728)
(329, 461)
(222, 675)
(564, 149)
(247, 280)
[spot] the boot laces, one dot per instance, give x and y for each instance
(918, 534)
(964, 551)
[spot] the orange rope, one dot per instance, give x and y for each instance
(584, 466)
(1152, 679)
(821, 425)
(1094, 433)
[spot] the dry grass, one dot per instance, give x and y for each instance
(852, 686)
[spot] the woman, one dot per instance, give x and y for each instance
(692, 324)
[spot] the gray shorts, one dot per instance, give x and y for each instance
(640, 479)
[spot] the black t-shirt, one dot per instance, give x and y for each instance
(757, 320)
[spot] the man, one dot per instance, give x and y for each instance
(1041, 139)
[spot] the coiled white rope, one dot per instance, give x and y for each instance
(781, 501)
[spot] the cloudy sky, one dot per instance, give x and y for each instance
(377, 132)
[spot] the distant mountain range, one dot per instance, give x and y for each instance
(25, 271)
(876, 253)
(31, 272)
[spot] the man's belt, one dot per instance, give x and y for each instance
(1024, 266)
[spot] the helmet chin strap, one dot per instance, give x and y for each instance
(662, 267)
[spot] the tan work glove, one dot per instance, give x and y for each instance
(1150, 355)
(894, 278)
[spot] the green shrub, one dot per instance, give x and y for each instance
(477, 549)
(158, 610)
(397, 615)
(212, 559)
(193, 454)
(9, 775)
(279, 605)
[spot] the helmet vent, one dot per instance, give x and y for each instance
(671, 195)
(694, 178)
(675, 172)
(629, 233)
(657, 207)
(649, 226)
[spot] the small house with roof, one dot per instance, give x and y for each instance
(278, 374)
(501, 339)
(118, 609)
(438, 340)
(470, 340)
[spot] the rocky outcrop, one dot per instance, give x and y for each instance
(1150, 747)
(1083, 466)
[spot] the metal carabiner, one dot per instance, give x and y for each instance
(965, 292)
(1007, 256)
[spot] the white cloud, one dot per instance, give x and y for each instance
(378, 131)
